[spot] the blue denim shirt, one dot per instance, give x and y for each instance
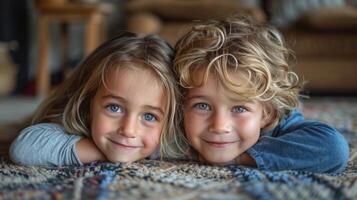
(300, 144)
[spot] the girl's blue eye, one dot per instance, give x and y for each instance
(239, 109)
(202, 106)
(114, 108)
(149, 117)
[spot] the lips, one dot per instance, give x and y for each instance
(219, 144)
(124, 144)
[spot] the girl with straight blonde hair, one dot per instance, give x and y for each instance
(118, 105)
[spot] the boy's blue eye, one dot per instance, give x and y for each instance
(114, 108)
(202, 106)
(149, 117)
(239, 109)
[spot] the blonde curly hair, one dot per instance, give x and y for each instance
(241, 46)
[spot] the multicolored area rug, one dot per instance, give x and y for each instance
(151, 179)
(340, 112)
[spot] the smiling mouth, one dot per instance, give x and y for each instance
(219, 144)
(123, 146)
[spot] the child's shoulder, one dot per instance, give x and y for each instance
(41, 130)
(293, 117)
(295, 120)
(45, 127)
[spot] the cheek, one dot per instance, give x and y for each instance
(101, 125)
(152, 140)
(189, 123)
(96, 130)
(97, 124)
(194, 125)
(248, 129)
(95, 117)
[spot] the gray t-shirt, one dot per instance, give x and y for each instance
(45, 144)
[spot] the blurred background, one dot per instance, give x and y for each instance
(41, 40)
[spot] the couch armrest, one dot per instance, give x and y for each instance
(331, 18)
(192, 9)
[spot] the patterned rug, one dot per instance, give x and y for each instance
(340, 112)
(182, 180)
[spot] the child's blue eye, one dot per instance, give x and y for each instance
(239, 109)
(149, 117)
(114, 108)
(202, 106)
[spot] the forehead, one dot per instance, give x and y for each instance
(132, 75)
(213, 84)
(138, 86)
(233, 80)
(119, 70)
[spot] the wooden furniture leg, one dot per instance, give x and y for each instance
(93, 32)
(43, 79)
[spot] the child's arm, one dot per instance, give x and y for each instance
(45, 144)
(88, 152)
(299, 144)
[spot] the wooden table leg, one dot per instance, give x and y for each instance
(43, 75)
(65, 49)
(95, 28)
(93, 32)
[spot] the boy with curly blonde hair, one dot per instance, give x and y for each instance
(241, 101)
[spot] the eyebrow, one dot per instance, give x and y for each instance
(241, 100)
(155, 108)
(233, 99)
(189, 97)
(111, 96)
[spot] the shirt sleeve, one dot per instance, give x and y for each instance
(46, 145)
(299, 144)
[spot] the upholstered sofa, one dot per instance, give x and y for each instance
(324, 39)
(169, 18)
(325, 44)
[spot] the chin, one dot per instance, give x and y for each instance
(120, 160)
(220, 161)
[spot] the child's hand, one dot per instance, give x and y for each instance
(88, 152)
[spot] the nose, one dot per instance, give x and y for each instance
(220, 122)
(128, 127)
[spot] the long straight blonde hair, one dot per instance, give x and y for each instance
(69, 104)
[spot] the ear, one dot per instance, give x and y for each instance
(267, 118)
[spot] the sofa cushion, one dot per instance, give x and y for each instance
(192, 9)
(285, 13)
(322, 44)
(144, 22)
(331, 18)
